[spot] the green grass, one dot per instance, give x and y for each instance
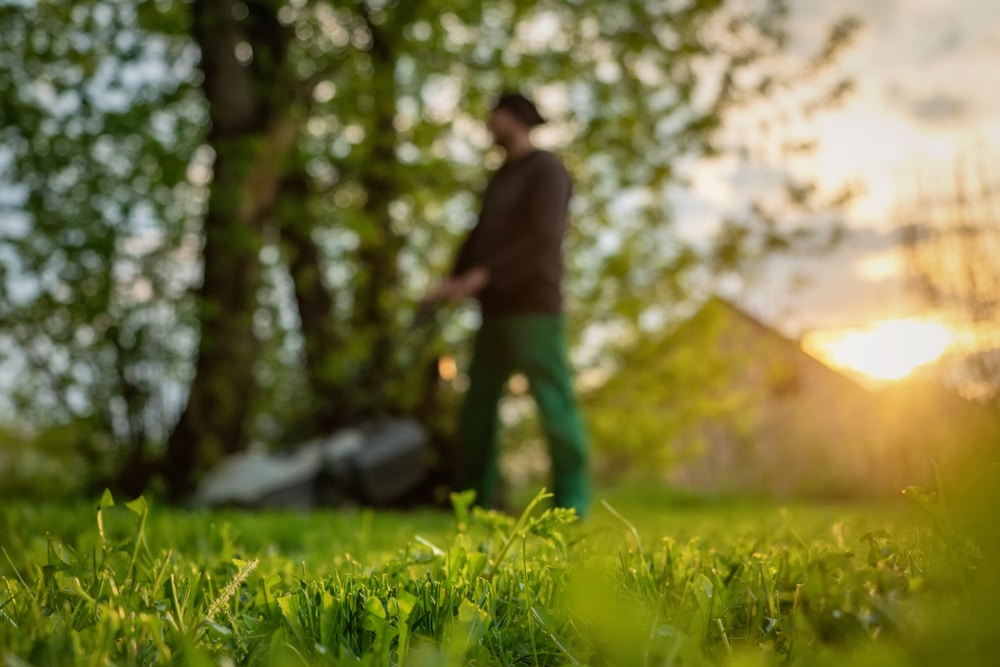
(648, 579)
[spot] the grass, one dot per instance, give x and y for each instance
(648, 579)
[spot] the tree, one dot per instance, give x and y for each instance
(97, 127)
(950, 235)
(254, 123)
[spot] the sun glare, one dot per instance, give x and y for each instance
(889, 350)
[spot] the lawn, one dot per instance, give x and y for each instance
(649, 578)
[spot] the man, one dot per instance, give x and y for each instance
(512, 264)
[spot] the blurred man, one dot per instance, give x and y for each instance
(512, 263)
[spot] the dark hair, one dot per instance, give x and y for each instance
(521, 107)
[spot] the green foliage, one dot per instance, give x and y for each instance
(699, 585)
(665, 389)
(33, 466)
(98, 129)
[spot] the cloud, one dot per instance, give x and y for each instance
(929, 106)
(939, 107)
(876, 267)
(860, 281)
(950, 42)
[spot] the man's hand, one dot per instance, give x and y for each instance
(472, 281)
(459, 287)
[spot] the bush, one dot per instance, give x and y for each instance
(55, 464)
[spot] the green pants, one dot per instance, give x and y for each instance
(536, 346)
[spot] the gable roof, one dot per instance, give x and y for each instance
(742, 318)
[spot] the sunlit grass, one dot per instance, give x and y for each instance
(650, 578)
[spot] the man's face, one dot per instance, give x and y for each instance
(502, 125)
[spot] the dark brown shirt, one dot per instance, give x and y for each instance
(519, 236)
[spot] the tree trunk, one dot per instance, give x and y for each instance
(331, 401)
(252, 132)
(378, 254)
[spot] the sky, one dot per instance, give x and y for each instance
(927, 88)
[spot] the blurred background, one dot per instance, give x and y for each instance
(216, 218)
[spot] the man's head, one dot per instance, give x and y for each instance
(512, 118)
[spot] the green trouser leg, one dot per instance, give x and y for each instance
(540, 344)
(534, 345)
(479, 425)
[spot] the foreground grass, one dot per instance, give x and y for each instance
(647, 580)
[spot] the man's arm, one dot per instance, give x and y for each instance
(459, 287)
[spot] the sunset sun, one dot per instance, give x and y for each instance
(889, 350)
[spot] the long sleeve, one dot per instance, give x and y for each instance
(535, 237)
(518, 237)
